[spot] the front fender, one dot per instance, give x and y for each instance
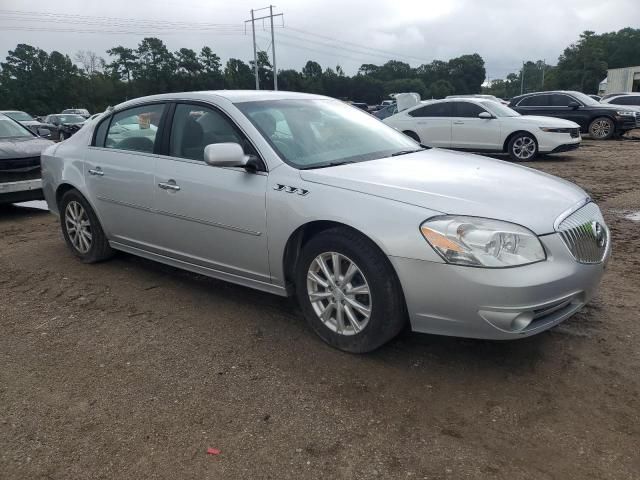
(393, 226)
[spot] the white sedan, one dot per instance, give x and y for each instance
(485, 126)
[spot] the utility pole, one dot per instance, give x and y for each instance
(255, 52)
(253, 19)
(544, 67)
(522, 80)
(273, 50)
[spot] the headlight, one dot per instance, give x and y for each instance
(626, 113)
(482, 242)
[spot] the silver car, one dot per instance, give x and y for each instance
(301, 194)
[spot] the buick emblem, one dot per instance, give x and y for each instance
(598, 233)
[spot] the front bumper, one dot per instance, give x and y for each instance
(21, 191)
(498, 304)
(565, 148)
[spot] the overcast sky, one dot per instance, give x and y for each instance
(349, 33)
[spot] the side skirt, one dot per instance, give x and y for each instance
(227, 277)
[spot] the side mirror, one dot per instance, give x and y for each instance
(574, 105)
(225, 155)
(485, 115)
(44, 132)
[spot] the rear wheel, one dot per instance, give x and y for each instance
(81, 229)
(602, 128)
(523, 147)
(349, 292)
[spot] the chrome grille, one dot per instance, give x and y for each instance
(638, 119)
(585, 234)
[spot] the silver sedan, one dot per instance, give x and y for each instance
(298, 194)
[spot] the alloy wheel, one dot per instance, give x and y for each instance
(339, 293)
(78, 226)
(524, 148)
(601, 129)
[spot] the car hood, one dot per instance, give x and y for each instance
(545, 121)
(12, 148)
(461, 184)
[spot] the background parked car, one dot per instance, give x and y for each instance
(83, 112)
(386, 111)
(629, 100)
(602, 121)
(480, 96)
(20, 149)
(26, 120)
(63, 125)
(485, 125)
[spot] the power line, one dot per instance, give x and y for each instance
(93, 31)
(341, 43)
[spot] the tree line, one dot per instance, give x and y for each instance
(39, 82)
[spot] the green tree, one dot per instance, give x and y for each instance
(238, 75)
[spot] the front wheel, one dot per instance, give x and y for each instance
(523, 147)
(602, 128)
(349, 292)
(81, 229)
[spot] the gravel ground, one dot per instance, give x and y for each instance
(130, 369)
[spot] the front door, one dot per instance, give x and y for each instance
(210, 216)
(432, 123)
(119, 172)
(468, 131)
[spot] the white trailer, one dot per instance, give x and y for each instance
(623, 80)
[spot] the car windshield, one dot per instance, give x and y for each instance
(498, 109)
(586, 99)
(70, 118)
(11, 129)
(19, 116)
(317, 133)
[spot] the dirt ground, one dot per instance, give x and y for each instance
(130, 370)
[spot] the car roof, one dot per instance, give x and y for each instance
(12, 111)
(234, 96)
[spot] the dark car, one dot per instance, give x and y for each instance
(20, 175)
(28, 121)
(83, 112)
(600, 120)
(64, 125)
(361, 106)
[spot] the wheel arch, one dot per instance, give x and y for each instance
(411, 133)
(505, 146)
(65, 187)
(301, 235)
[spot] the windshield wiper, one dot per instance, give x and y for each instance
(405, 152)
(330, 164)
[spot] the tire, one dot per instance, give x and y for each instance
(412, 135)
(61, 136)
(602, 128)
(92, 249)
(375, 274)
(523, 147)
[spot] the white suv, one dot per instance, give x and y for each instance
(485, 126)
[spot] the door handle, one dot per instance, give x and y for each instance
(169, 185)
(422, 122)
(458, 123)
(96, 172)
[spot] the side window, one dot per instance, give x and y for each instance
(194, 127)
(440, 109)
(627, 100)
(135, 129)
(467, 109)
(559, 100)
(101, 133)
(536, 101)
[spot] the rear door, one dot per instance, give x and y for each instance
(471, 132)
(210, 216)
(119, 173)
(535, 105)
(432, 123)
